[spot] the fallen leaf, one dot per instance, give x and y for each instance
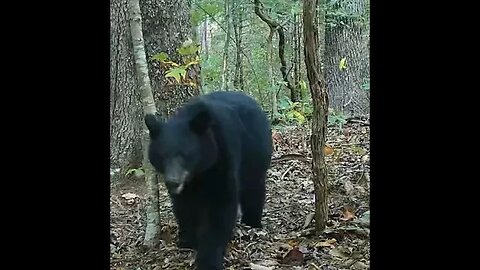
(339, 252)
(129, 196)
(308, 220)
(349, 188)
(328, 150)
(266, 263)
(328, 243)
(347, 214)
(359, 266)
(293, 243)
(254, 266)
(259, 267)
(293, 257)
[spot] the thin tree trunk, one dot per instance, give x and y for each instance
(228, 17)
(320, 106)
(238, 28)
(205, 38)
(295, 53)
(166, 26)
(298, 56)
(152, 231)
(271, 79)
(281, 47)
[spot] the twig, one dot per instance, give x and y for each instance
(292, 156)
(285, 173)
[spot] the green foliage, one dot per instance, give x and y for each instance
(202, 9)
(162, 57)
(136, 172)
(256, 79)
(211, 73)
(336, 118)
(177, 73)
(343, 64)
(296, 8)
(366, 84)
(189, 54)
(188, 49)
(293, 112)
(303, 88)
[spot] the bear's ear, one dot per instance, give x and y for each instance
(153, 125)
(201, 121)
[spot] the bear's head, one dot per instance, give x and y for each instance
(181, 147)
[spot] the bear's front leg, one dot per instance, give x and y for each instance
(216, 232)
(185, 212)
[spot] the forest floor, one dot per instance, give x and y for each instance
(287, 240)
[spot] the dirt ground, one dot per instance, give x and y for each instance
(287, 240)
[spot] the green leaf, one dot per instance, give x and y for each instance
(366, 85)
(176, 73)
(136, 172)
(283, 103)
(303, 85)
(343, 64)
(139, 173)
(162, 57)
(189, 49)
(299, 116)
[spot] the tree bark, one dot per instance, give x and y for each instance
(271, 78)
(228, 18)
(125, 102)
(152, 231)
(166, 25)
(320, 106)
(204, 41)
(238, 31)
(349, 42)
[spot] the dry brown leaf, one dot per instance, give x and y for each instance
(328, 150)
(293, 243)
(328, 243)
(294, 257)
(348, 214)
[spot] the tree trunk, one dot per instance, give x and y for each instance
(281, 47)
(204, 41)
(228, 17)
(125, 102)
(298, 57)
(271, 78)
(320, 106)
(349, 42)
(238, 28)
(152, 231)
(166, 25)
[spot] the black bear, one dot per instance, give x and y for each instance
(214, 154)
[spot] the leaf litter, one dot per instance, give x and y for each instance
(287, 240)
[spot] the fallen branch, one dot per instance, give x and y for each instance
(291, 156)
